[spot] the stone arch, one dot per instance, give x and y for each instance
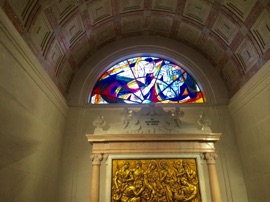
(195, 63)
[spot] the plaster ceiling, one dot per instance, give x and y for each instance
(233, 34)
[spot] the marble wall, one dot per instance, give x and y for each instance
(32, 122)
(250, 110)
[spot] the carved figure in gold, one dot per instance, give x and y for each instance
(151, 176)
(188, 190)
(167, 179)
(191, 174)
(122, 177)
(138, 172)
(133, 192)
(179, 168)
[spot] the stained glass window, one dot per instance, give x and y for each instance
(146, 80)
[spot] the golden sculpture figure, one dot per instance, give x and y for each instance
(155, 180)
(187, 192)
(167, 179)
(138, 172)
(179, 168)
(132, 192)
(122, 177)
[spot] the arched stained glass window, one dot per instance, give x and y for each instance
(146, 80)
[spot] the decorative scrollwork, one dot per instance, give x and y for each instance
(99, 124)
(177, 114)
(203, 121)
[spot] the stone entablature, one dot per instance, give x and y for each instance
(153, 143)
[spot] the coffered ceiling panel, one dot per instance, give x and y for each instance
(63, 8)
(41, 32)
(214, 50)
(261, 30)
(131, 24)
(247, 55)
(104, 32)
(164, 5)
(131, 5)
(24, 8)
(189, 32)
(241, 8)
(161, 24)
(80, 50)
(55, 56)
(233, 34)
(225, 29)
(197, 10)
(100, 10)
(73, 30)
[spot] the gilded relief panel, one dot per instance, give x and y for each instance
(155, 180)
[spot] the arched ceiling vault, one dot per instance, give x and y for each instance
(233, 34)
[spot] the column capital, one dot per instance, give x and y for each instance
(210, 157)
(96, 159)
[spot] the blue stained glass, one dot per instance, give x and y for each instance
(146, 80)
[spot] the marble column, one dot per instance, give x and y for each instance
(213, 180)
(95, 179)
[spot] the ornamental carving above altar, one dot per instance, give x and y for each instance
(152, 155)
(152, 119)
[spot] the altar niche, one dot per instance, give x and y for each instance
(155, 179)
(166, 149)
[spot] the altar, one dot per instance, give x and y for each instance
(152, 155)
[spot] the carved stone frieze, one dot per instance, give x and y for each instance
(151, 119)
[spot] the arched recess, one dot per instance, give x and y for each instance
(191, 60)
